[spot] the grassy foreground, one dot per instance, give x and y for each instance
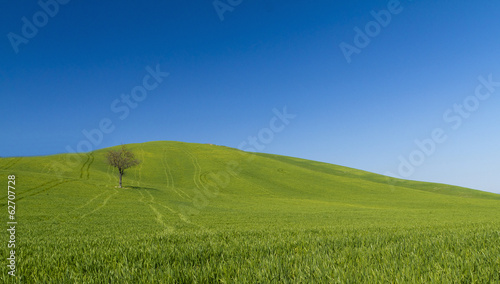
(210, 214)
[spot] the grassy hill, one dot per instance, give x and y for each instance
(206, 213)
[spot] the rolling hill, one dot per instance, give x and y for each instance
(74, 223)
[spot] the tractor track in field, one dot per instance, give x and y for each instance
(166, 207)
(152, 198)
(181, 217)
(142, 196)
(11, 163)
(100, 206)
(90, 201)
(92, 158)
(85, 169)
(159, 216)
(197, 172)
(83, 166)
(36, 187)
(81, 206)
(48, 186)
(170, 177)
(41, 185)
(47, 169)
(168, 173)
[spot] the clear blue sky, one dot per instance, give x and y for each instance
(229, 68)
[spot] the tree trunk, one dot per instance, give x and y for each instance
(121, 180)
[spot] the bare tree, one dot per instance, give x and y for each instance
(121, 159)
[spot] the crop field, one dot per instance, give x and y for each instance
(197, 213)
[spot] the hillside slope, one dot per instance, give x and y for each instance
(193, 213)
(184, 185)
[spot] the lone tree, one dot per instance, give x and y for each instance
(121, 159)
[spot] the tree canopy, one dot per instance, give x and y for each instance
(121, 159)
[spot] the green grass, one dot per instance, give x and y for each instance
(209, 214)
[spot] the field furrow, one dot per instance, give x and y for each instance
(11, 163)
(102, 205)
(169, 177)
(91, 155)
(197, 172)
(38, 189)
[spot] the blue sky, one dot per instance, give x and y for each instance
(233, 66)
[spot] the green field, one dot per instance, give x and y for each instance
(197, 213)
